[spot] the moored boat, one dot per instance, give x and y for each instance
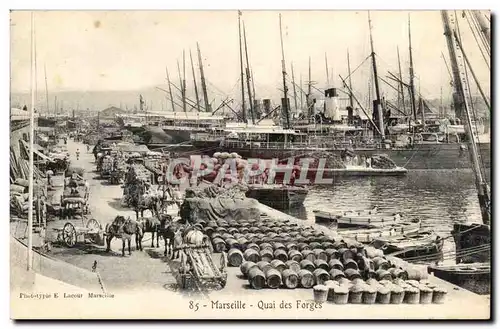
(357, 219)
(421, 246)
(474, 277)
(394, 230)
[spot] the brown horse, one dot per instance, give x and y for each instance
(172, 234)
(124, 229)
(151, 225)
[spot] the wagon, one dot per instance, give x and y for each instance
(197, 268)
(75, 229)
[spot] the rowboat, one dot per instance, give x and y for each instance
(389, 231)
(421, 246)
(474, 277)
(359, 219)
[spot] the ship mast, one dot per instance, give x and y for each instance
(327, 75)
(461, 83)
(184, 80)
(351, 102)
(32, 132)
(247, 70)
(484, 26)
(458, 97)
(378, 106)
(203, 82)
(412, 74)
(308, 96)
(170, 91)
(285, 88)
(243, 111)
(194, 81)
(400, 86)
(294, 89)
(46, 88)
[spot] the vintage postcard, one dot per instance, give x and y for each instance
(250, 164)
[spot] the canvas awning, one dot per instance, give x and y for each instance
(36, 147)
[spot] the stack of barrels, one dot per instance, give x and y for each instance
(280, 254)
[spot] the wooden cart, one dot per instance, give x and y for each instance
(76, 229)
(197, 268)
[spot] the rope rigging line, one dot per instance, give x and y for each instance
(477, 42)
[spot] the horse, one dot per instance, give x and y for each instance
(171, 233)
(151, 225)
(124, 229)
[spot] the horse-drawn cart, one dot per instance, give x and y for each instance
(197, 268)
(91, 231)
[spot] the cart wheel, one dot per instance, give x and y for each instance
(93, 226)
(69, 235)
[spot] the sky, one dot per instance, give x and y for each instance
(130, 50)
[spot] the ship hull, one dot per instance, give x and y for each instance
(281, 198)
(423, 156)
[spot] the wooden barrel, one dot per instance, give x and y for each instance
(307, 265)
(256, 278)
(245, 267)
(267, 239)
(216, 235)
(221, 229)
(254, 229)
(226, 236)
(266, 255)
(293, 265)
(315, 245)
(320, 263)
(281, 255)
(346, 254)
(383, 275)
(278, 245)
(263, 265)
(332, 253)
(235, 257)
(303, 246)
(290, 279)
(320, 254)
(212, 224)
(302, 239)
(306, 279)
(335, 264)
(233, 230)
(321, 276)
(291, 246)
(351, 263)
(252, 255)
(327, 245)
(339, 244)
(238, 236)
(381, 263)
(232, 243)
(278, 264)
(244, 230)
(208, 230)
(400, 273)
(219, 245)
(272, 235)
(273, 278)
(260, 235)
(336, 274)
(222, 222)
(253, 246)
(352, 274)
(283, 234)
(243, 243)
(308, 254)
(265, 245)
(295, 255)
(365, 264)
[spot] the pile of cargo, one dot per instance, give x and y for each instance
(382, 161)
(281, 254)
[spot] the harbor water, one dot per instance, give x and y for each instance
(439, 198)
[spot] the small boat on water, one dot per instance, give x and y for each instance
(474, 277)
(421, 246)
(389, 231)
(359, 219)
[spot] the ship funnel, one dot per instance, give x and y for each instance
(332, 109)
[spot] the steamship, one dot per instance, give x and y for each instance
(335, 126)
